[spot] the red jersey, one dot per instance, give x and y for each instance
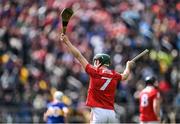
(102, 87)
(147, 97)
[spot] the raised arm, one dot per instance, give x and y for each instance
(76, 53)
(127, 70)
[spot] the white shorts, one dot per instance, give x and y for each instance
(100, 115)
(150, 122)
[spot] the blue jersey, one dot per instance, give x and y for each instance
(55, 112)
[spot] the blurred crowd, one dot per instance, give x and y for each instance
(33, 62)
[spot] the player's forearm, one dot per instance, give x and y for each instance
(76, 53)
(157, 111)
(126, 73)
(45, 117)
(73, 49)
(127, 70)
(156, 108)
(158, 114)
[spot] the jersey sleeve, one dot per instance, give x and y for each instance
(156, 94)
(91, 70)
(118, 76)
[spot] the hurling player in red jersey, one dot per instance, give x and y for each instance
(149, 103)
(102, 85)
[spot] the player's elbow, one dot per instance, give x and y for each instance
(125, 76)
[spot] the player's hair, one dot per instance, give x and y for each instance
(150, 80)
(103, 58)
(58, 95)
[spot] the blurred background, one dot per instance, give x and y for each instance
(33, 64)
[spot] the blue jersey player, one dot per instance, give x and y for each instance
(56, 110)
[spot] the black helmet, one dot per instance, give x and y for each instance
(150, 80)
(104, 59)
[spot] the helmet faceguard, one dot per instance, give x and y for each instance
(104, 59)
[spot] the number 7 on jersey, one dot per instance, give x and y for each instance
(108, 80)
